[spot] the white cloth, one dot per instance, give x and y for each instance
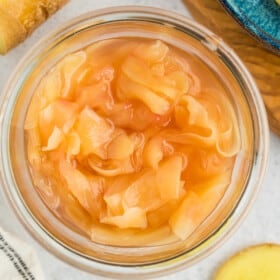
(18, 261)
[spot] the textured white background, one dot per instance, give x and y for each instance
(261, 225)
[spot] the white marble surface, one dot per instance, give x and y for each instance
(261, 225)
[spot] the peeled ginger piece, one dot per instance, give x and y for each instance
(255, 263)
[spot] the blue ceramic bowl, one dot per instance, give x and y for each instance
(260, 17)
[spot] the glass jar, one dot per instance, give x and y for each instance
(125, 261)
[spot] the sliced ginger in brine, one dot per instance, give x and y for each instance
(140, 153)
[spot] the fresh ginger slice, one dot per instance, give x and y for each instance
(259, 262)
(19, 18)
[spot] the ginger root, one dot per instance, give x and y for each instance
(261, 262)
(19, 18)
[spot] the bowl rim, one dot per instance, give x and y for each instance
(180, 261)
(270, 42)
